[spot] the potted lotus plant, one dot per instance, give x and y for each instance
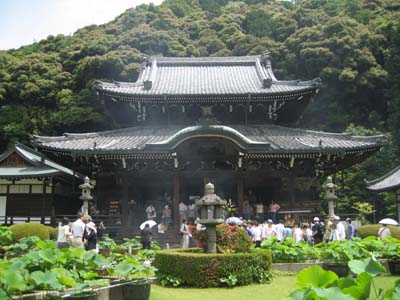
(133, 274)
(391, 251)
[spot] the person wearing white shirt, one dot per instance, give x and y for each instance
(182, 211)
(78, 229)
(297, 233)
(383, 232)
(280, 231)
(269, 230)
(257, 234)
(260, 212)
(340, 233)
(64, 234)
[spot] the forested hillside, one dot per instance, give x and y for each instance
(353, 45)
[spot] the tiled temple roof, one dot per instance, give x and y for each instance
(388, 182)
(270, 139)
(40, 166)
(206, 76)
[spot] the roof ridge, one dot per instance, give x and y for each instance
(384, 176)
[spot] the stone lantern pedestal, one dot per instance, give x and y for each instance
(210, 215)
(86, 187)
(330, 196)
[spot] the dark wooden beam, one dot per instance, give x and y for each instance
(176, 198)
(240, 191)
(124, 204)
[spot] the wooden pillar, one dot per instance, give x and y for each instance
(176, 198)
(240, 191)
(125, 205)
(43, 201)
(291, 190)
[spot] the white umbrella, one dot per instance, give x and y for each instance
(234, 220)
(388, 221)
(150, 222)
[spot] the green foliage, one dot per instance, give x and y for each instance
(5, 236)
(188, 268)
(29, 229)
(363, 209)
(290, 251)
(341, 251)
(316, 283)
(391, 249)
(41, 266)
(53, 232)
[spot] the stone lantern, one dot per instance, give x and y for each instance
(85, 197)
(330, 196)
(210, 215)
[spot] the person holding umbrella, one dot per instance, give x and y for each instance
(383, 232)
(146, 237)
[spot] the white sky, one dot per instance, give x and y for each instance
(24, 21)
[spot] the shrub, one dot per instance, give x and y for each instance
(230, 239)
(29, 229)
(183, 267)
(372, 230)
(53, 232)
(5, 236)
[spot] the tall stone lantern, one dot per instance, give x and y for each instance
(85, 197)
(330, 196)
(210, 215)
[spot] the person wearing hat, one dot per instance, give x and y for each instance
(90, 237)
(349, 229)
(269, 229)
(338, 232)
(317, 231)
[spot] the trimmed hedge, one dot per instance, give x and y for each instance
(372, 230)
(29, 229)
(53, 232)
(194, 268)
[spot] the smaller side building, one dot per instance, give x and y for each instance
(390, 182)
(34, 188)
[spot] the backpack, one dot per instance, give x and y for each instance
(320, 230)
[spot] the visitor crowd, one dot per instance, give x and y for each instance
(318, 232)
(82, 233)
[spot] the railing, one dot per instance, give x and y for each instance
(11, 220)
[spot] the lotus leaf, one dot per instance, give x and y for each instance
(316, 277)
(47, 280)
(369, 265)
(13, 281)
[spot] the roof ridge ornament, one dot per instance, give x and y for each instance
(267, 82)
(146, 60)
(266, 59)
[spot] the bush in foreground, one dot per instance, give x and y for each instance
(195, 268)
(29, 229)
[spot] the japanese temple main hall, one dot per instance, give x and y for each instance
(189, 121)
